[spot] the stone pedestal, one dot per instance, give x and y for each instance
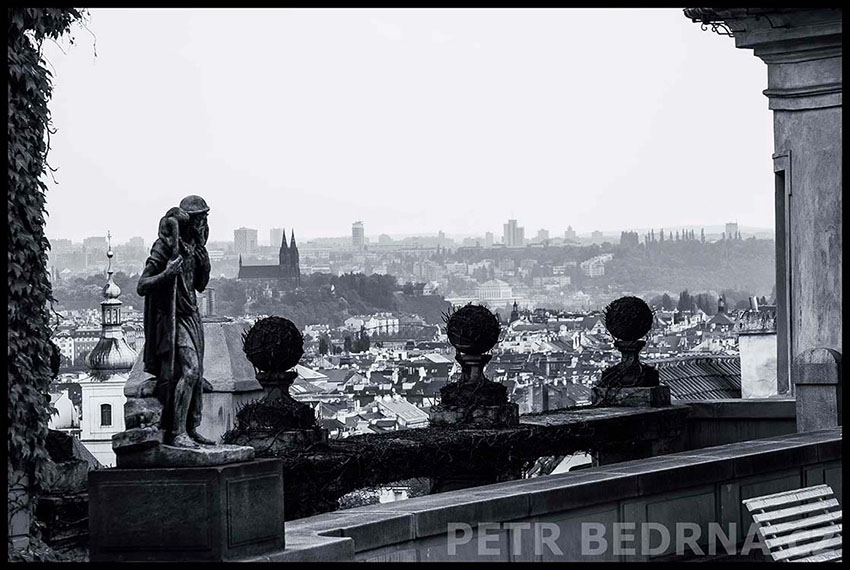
(653, 397)
(817, 377)
(273, 443)
(169, 456)
(478, 417)
(186, 514)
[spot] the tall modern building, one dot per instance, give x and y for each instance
(95, 243)
(60, 245)
(542, 235)
(245, 241)
(358, 237)
(136, 242)
(731, 230)
(275, 236)
(512, 234)
(488, 239)
(570, 234)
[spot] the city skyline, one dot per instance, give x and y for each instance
(712, 228)
(479, 112)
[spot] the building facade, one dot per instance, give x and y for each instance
(512, 234)
(275, 236)
(245, 241)
(358, 235)
(494, 290)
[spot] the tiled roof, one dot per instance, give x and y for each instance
(721, 319)
(437, 358)
(331, 424)
(259, 272)
(404, 410)
(338, 375)
(701, 377)
(303, 387)
(308, 374)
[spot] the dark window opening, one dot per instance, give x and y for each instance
(105, 415)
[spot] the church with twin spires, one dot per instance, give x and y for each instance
(285, 275)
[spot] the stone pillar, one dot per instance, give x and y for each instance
(804, 90)
(818, 376)
(802, 48)
(474, 401)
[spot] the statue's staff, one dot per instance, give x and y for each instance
(170, 231)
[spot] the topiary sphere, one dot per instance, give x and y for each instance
(273, 344)
(628, 318)
(473, 329)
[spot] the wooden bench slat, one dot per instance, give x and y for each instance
(803, 536)
(792, 511)
(794, 496)
(833, 556)
(781, 493)
(812, 547)
(779, 528)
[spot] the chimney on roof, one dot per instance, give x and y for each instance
(757, 349)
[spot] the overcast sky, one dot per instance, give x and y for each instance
(413, 121)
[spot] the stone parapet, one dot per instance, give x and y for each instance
(700, 487)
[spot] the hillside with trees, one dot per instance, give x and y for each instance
(743, 265)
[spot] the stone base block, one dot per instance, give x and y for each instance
(481, 417)
(136, 439)
(188, 514)
(142, 412)
(169, 456)
(653, 397)
(266, 444)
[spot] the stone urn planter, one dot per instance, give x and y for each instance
(630, 382)
(474, 401)
(277, 422)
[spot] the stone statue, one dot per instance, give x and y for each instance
(178, 267)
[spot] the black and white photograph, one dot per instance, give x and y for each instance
(328, 285)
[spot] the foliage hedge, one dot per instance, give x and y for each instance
(29, 295)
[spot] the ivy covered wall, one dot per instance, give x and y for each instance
(29, 293)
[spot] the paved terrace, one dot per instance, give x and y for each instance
(699, 486)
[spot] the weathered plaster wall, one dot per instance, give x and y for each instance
(814, 138)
